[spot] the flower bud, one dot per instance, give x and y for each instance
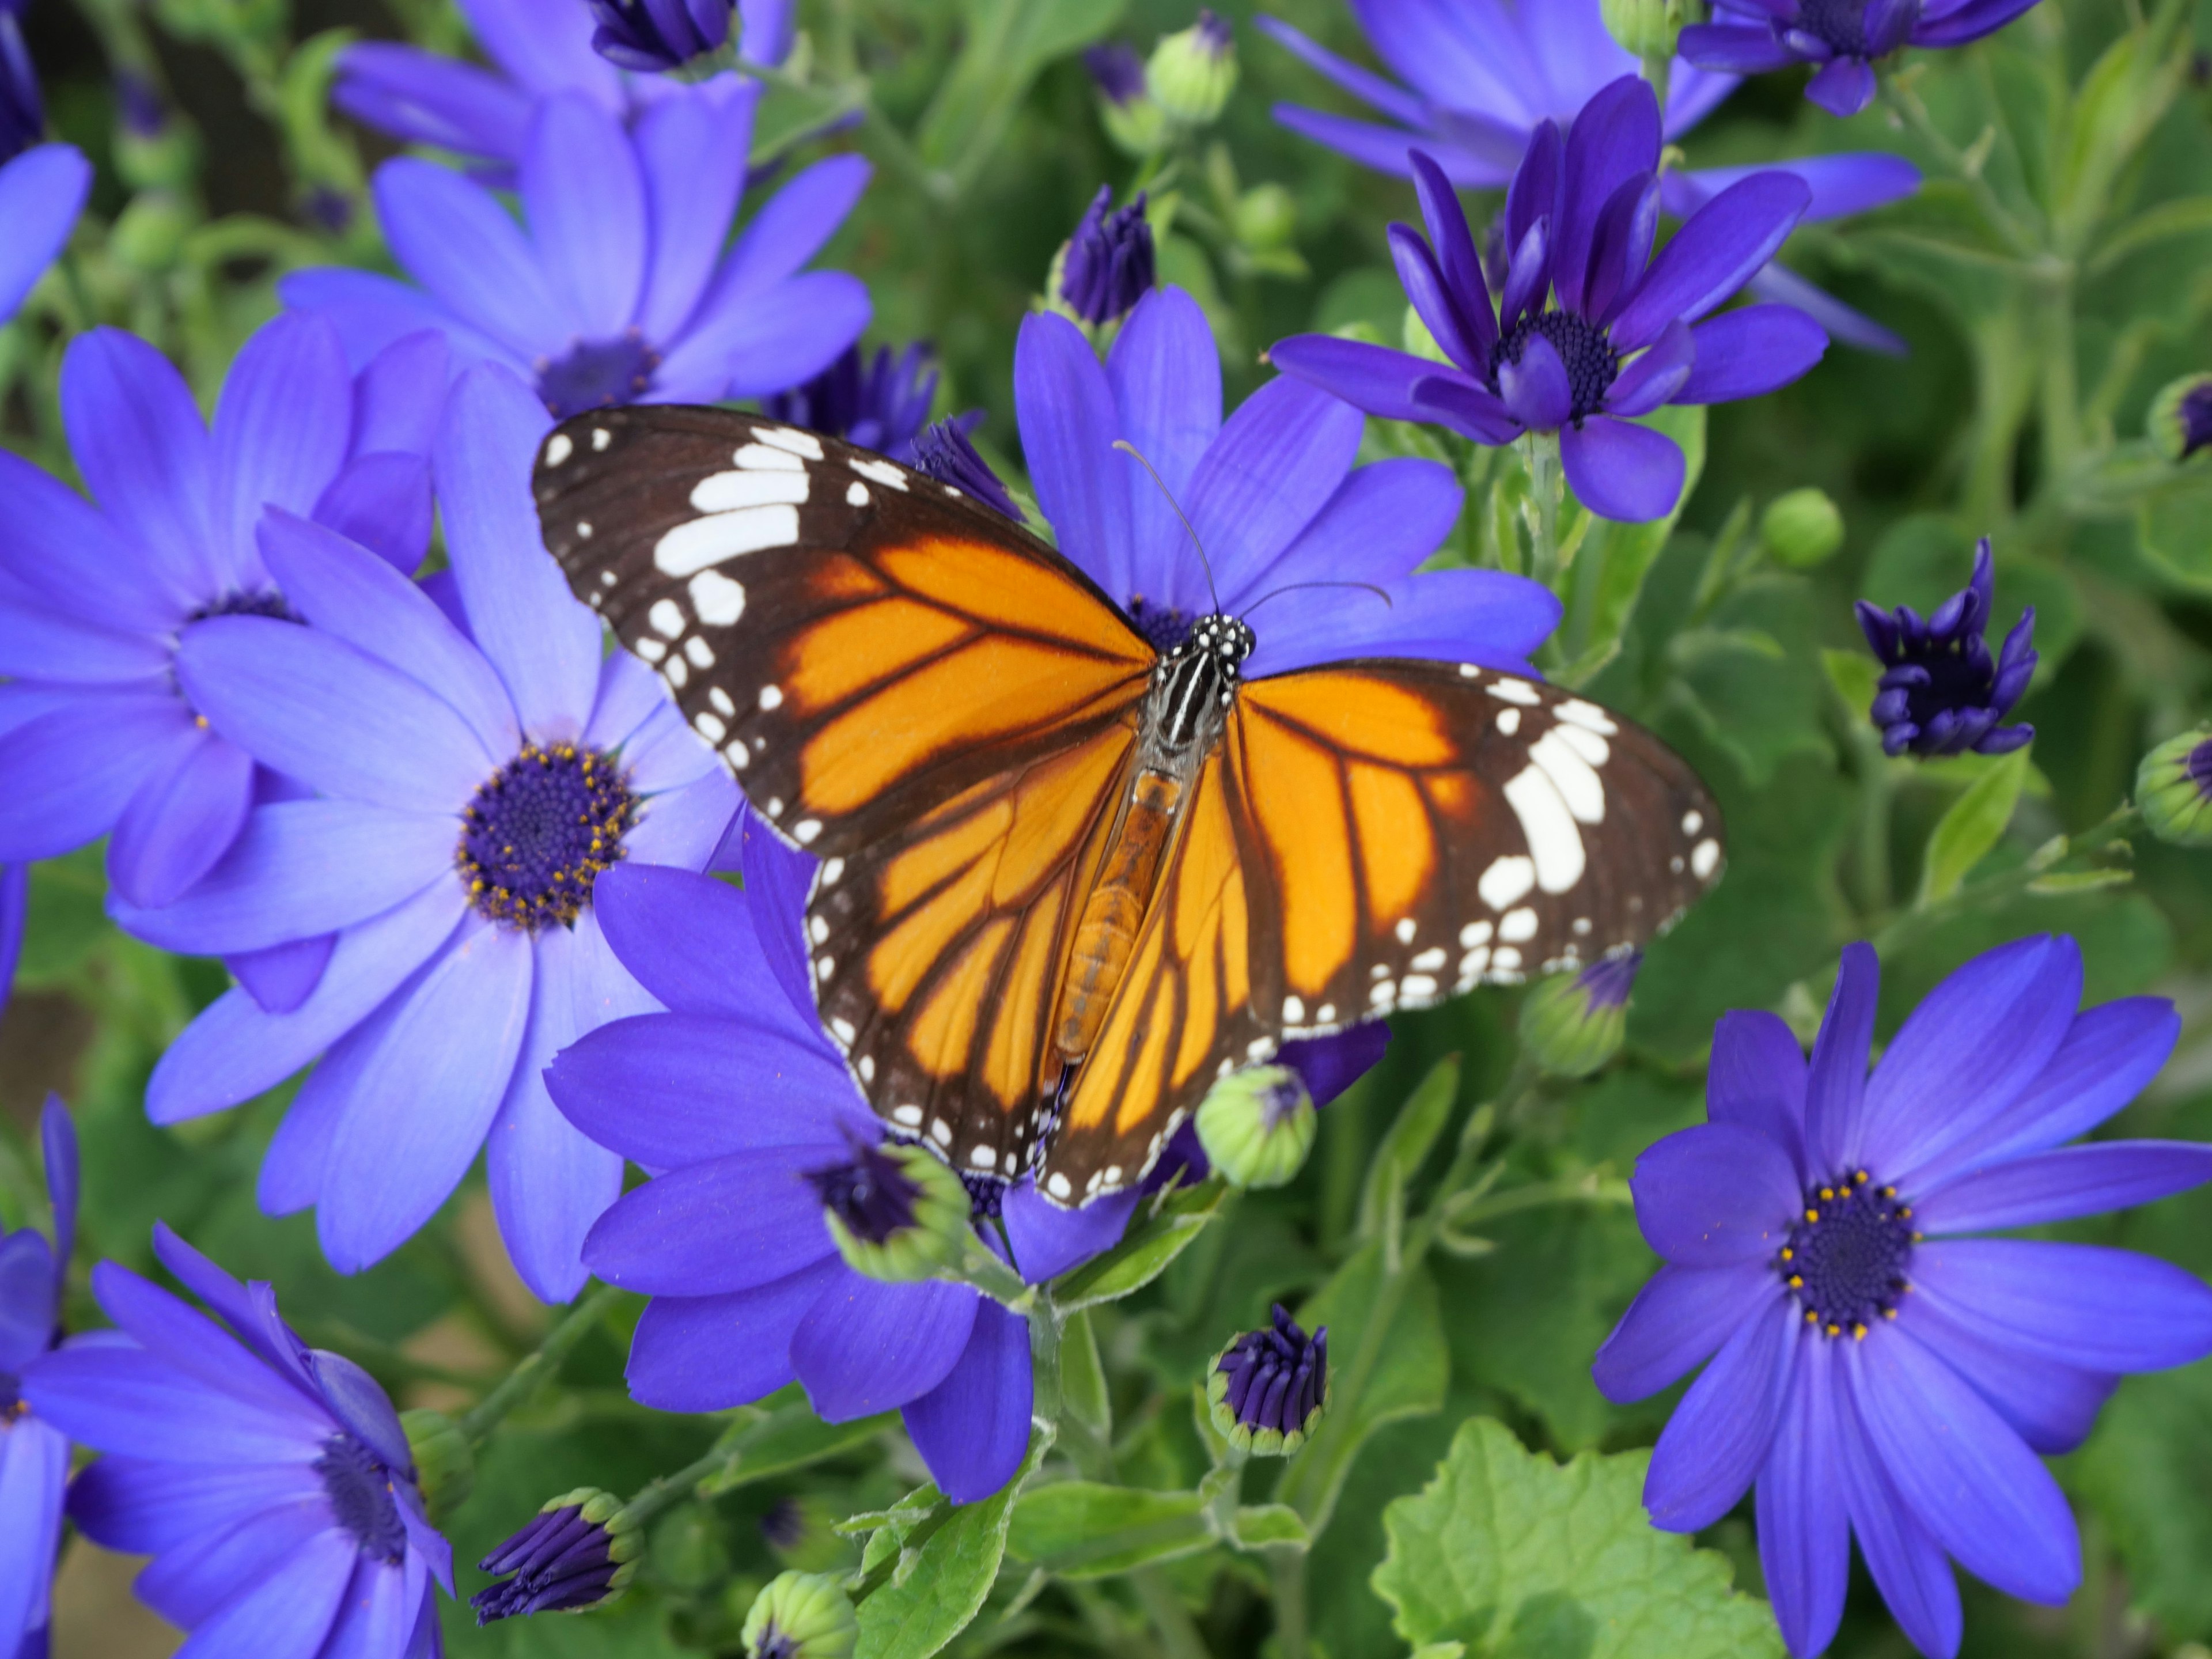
(577, 1553)
(1647, 28)
(149, 233)
(1571, 1024)
(2174, 788)
(898, 1212)
(801, 1533)
(1268, 1388)
(1193, 71)
(2180, 421)
(445, 1467)
(802, 1615)
(1802, 529)
(943, 450)
(1266, 217)
(1108, 266)
(1137, 126)
(1257, 1125)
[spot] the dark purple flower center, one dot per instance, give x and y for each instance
(2195, 420)
(560, 1562)
(261, 602)
(870, 1195)
(1589, 357)
(942, 450)
(1282, 1097)
(1163, 625)
(597, 374)
(652, 39)
(359, 1487)
(540, 830)
(1841, 23)
(2199, 767)
(1847, 1255)
(987, 1194)
(785, 1524)
(1277, 1374)
(1110, 263)
(777, 1644)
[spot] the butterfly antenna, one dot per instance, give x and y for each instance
(1293, 588)
(1204, 563)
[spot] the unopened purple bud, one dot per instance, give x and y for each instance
(1268, 1388)
(1942, 693)
(655, 37)
(1110, 263)
(574, 1554)
(942, 450)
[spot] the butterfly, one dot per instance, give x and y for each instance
(1068, 880)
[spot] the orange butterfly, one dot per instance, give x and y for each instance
(1068, 879)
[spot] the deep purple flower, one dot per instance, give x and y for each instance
(272, 1482)
(34, 1455)
(943, 450)
(878, 404)
(1116, 70)
(1272, 493)
(2195, 413)
(1623, 338)
(655, 36)
(1940, 694)
(574, 1554)
(538, 49)
(1108, 265)
(1268, 1387)
(14, 911)
(1843, 37)
(1481, 76)
(22, 110)
(623, 286)
(101, 739)
(473, 772)
(1875, 1372)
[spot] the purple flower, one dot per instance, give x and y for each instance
(95, 596)
(1940, 693)
(1108, 265)
(272, 1482)
(34, 1455)
(943, 450)
(1843, 37)
(474, 768)
(574, 1554)
(1623, 338)
(1481, 76)
(655, 36)
(1285, 519)
(1873, 1372)
(623, 286)
(538, 49)
(1269, 1387)
(1116, 70)
(878, 404)
(14, 911)
(42, 187)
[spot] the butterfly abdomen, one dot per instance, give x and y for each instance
(1106, 933)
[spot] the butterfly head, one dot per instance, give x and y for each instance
(1228, 641)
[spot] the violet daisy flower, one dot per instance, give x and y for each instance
(1623, 337)
(100, 737)
(880, 403)
(34, 1455)
(271, 1481)
(1843, 37)
(1874, 1372)
(1940, 692)
(538, 49)
(1272, 493)
(622, 286)
(472, 776)
(1481, 76)
(42, 187)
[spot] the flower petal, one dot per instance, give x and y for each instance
(1714, 1196)
(1165, 374)
(1678, 1320)
(2061, 1185)
(280, 431)
(383, 502)
(1804, 1533)
(731, 1224)
(282, 977)
(1751, 351)
(1068, 426)
(140, 447)
(1842, 86)
(138, 1506)
(1615, 138)
(1278, 460)
(1712, 1447)
(34, 1465)
(1744, 49)
(2052, 1407)
(1756, 1080)
(864, 1347)
(1371, 377)
(117, 1398)
(83, 565)
(1712, 256)
(422, 98)
(2082, 1305)
(1657, 376)
(1536, 388)
(1487, 617)
(398, 395)
(708, 1353)
(1621, 471)
(454, 238)
(690, 940)
(693, 156)
(973, 1428)
(41, 192)
(1908, 1566)
(67, 775)
(1835, 1084)
(752, 345)
(1382, 522)
(373, 313)
(792, 227)
(182, 819)
(1048, 1238)
(585, 200)
(424, 1100)
(289, 1599)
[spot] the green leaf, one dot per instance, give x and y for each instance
(2147, 1470)
(1855, 675)
(1008, 44)
(784, 1440)
(1261, 1525)
(1607, 577)
(1145, 1254)
(1975, 823)
(68, 916)
(1512, 1553)
(937, 1589)
(1087, 1529)
(786, 115)
(1419, 1121)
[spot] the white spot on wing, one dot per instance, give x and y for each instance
(1430, 960)
(907, 1117)
(817, 928)
(709, 726)
(1325, 1013)
(1294, 1010)
(738, 754)
(1693, 821)
(720, 699)
(1404, 930)
(983, 1157)
(675, 671)
(1518, 691)
(600, 439)
(1508, 720)
(1506, 880)
(701, 652)
(856, 495)
(1588, 715)
(1475, 933)
(1059, 1186)
(1586, 743)
(882, 472)
(1554, 840)
(727, 492)
(941, 1132)
(558, 448)
(832, 872)
(760, 458)
(806, 830)
(693, 546)
(771, 697)
(1415, 987)
(1705, 859)
(844, 1029)
(783, 437)
(1571, 775)
(666, 618)
(1518, 926)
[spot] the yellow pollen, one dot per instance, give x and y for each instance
(1812, 1215)
(1827, 1193)
(1796, 1281)
(200, 721)
(1789, 1254)
(1835, 1330)
(1860, 1179)
(1859, 1333)
(1889, 1192)
(1889, 1313)
(1812, 1318)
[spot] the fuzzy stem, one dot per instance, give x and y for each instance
(535, 1366)
(1286, 1574)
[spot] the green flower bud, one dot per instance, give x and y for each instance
(1571, 1024)
(1802, 529)
(149, 233)
(1266, 217)
(1137, 126)
(2174, 787)
(1647, 28)
(1193, 71)
(2181, 420)
(445, 1467)
(898, 1212)
(1268, 1388)
(802, 1615)
(801, 1532)
(1257, 1125)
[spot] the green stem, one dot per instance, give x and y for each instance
(1902, 930)
(1544, 480)
(880, 1575)
(1877, 795)
(1172, 1620)
(2061, 396)
(1905, 104)
(1577, 1189)
(1286, 1573)
(535, 1366)
(883, 138)
(1655, 69)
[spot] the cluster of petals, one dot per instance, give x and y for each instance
(1895, 1378)
(433, 1018)
(1842, 38)
(1629, 333)
(623, 284)
(1479, 76)
(270, 1482)
(34, 1455)
(1941, 692)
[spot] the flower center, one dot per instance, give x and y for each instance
(360, 1490)
(1841, 23)
(1276, 1375)
(597, 374)
(1164, 626)
(1590, 360)
(261, 602)
(871, 1195)
(540, 830)
(1847, 1256)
